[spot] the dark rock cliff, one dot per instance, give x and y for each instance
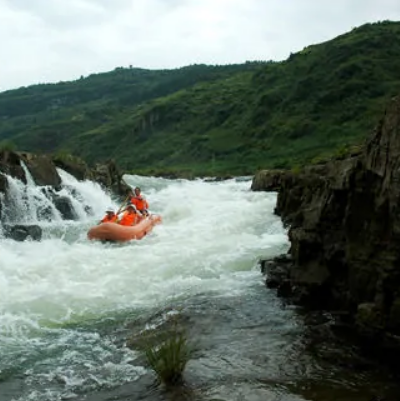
(344, 220)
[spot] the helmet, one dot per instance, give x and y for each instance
(110, 210)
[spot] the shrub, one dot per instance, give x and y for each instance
(7, 145)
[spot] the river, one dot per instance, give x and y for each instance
(68, 305)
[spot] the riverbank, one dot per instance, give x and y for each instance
(344, 219)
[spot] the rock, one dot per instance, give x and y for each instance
(10, 164)
(74, 166)
(3, 183)
(369, 320)
(65, 207)
(277, 272)
(42, 169)
(3, 188)
(344, 219)
(110, 177)
(267, 180)
(22, 232)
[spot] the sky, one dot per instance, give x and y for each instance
(57, 40)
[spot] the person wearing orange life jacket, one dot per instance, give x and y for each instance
(110, 216)
(130, 217)
(139, 201)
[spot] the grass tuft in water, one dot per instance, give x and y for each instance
(168, 359)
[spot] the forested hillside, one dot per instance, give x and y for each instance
(216, 119)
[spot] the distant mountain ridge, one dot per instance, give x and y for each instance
(216, 119)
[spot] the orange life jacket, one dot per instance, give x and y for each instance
(128, 219)
(139, 202)
(109, 219)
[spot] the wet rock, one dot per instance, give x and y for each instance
(74, 166)
(10, 164)
(110, 177)
(369, 320)
(267, 180)
(277, 272)
(42, 169)
(344, 219)
(89, 210)
(3, 183)
(218, 178)
(22, 232)
(65, 207)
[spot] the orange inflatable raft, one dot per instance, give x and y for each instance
(116, 232)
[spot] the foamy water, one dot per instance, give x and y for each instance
(53, 293)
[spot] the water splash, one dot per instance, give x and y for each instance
(28, 176)
(28, 203)
(59, 293)
(87, 197)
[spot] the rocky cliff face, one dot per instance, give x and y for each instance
(344, 222)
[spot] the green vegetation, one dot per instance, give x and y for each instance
(206, 120)
(166, 348)
(7, 145)
(169, 358)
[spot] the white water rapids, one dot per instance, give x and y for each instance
(55, 294)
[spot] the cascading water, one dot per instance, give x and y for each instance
(32, 204)
(28, 204)
(28, 176)
(68, 304)
(87, 197)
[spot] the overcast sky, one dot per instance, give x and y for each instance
(54, 40)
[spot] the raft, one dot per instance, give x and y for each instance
(116, 232)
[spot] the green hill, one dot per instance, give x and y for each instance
(216, 119)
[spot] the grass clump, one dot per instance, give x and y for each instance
(169, 358)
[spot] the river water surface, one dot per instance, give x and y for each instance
(67, 305)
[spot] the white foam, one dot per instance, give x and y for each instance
(211, 237)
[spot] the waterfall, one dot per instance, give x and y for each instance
(87, 197)
(29, 179)
(28, 203)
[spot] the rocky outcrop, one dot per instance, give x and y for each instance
(41, 168)
(110, 177)
(10, 164)
(267, 180)
(22, 232)
(65, 207)
(344, 220)
(107, 174)
(74, 166)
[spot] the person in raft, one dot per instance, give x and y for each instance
(130, 217)
(139, 201)
(110, 216)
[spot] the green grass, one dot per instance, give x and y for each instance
(169, 359)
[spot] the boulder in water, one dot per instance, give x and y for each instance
(74, 166)
(21, 232)
(110, 177)
(10, 164)
(65, 207)
(267, 180)
(42, 169)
